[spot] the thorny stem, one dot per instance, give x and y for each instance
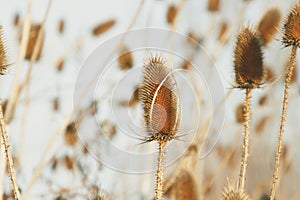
(288, 75)
(159, 192)
(245, 152)
(10, 164)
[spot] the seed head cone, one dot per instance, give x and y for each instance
(3, 56)
(292, 27)
(232, 193)
(248, 62)
(158, 94)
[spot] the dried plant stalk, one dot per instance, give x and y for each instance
(245, 152)
(9, 159)
(291, 38)
(248, 65)
(161, 111)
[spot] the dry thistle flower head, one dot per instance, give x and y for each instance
(291, 35)
(103, 27)
(268, 25)
(3, 56)
(126, 59)
(248, 62)
(233, 193)
(159, 100)
(184, 187)
(33, 36)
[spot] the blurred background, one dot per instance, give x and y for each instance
(53, 163)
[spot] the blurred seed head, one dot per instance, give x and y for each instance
(126, 59)
(33, 36)
(248, 61)
(171, 14)
(108, 129)
(213, 5)
(240, 113)
(103, 27)
(71, 137)
(61, 26)
(60, 64)
(268, 25)
(291, 30)
(183, 188)
(17, 19)
(3, 53)
(159, 100)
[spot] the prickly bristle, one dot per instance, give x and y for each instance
(159, 100)
(268, 25)
(292, 27)
(184, 187)
(3, 56)
(248, 62)
(233, 193)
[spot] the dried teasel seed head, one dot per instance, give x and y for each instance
(103, 27)
(183, 188)
(56, 104)
(126, 59)
(268, 25)
(3, 53)
(248, 61)
(71, 137)
(233, 193)
(291, 35)
(213, 5)
(160, 101)
(171, 14)
(33, 36)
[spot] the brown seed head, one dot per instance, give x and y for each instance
(126, 59)
(268, 25)
(3, 57)
(159, 99)
(103, 27)
(33, 36)
(240, 113)
(172, 11)
(184, 187)
(233, 193)
(56, 104)
(213, 5)
(223, 31)
(71, 137)
(16, 19)
(60, 64)
(292, 27)
(61, 26)
(248, 62)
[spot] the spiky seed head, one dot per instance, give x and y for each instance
(248, 62)
(3, 57)
(291, 35)
(268, 25)
(158, 94)
(233, 193)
